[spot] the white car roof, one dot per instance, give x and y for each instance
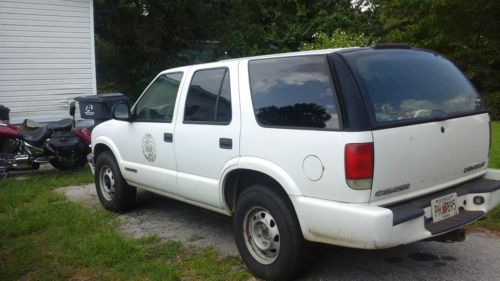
(280, 55)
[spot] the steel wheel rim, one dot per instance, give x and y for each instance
(107, 182)
(261, 234)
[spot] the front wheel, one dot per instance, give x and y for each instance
(113, 191)
(267, 234)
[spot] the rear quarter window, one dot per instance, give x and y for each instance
(293, 92)
(403, 86)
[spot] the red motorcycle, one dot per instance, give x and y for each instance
(59, 143)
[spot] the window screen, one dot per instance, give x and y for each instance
(209, 97)
(293, 92)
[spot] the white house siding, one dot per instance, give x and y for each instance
(46, 56)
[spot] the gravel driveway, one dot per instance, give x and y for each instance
(478, 258)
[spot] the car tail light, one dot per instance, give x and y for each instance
(359, 161)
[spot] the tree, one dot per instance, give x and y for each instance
(465, 31)
(272, 26)
(338, 39)
(136, 39)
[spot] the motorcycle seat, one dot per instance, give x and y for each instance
(61, 125)
(34, 136)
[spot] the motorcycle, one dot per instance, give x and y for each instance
(27, 146)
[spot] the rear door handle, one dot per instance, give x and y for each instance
(225, 143)
(168, 137)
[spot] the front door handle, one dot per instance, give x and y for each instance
(225, 143)
(168, 137)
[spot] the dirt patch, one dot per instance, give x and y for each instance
(84, 194)
(484, 231)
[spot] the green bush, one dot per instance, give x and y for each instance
(337, 39)
(492, 101)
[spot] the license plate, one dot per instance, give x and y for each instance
(444, 207)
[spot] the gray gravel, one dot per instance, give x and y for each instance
(478, 258)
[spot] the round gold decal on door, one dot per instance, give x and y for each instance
(149, 148)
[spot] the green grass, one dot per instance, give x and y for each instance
(495, 146)
(43, 236)
(493, 220)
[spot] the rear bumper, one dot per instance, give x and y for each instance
(374, 227)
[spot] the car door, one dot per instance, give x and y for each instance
(207, 131)
(148, 149)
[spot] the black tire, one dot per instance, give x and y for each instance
(292, 246)
(113, 191)
(69, 164)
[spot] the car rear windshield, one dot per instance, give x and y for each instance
(408, 86)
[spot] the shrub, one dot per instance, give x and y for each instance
(492, 101)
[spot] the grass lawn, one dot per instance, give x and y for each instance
(43, 236)
(493, 220)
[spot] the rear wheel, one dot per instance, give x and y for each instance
(113, 191)
(267, 234)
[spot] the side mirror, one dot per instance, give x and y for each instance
(72, 108)
(121, 111)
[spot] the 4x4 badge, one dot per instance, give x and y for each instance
(149, 147)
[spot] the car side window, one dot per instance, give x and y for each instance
(209, 97)
(294, 92)
(158, 102)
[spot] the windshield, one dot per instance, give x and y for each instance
(409, 85)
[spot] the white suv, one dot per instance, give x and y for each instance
(361, 147)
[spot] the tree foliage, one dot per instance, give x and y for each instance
(465, 31)
(270, 26)
(337, 39)
(135, 39)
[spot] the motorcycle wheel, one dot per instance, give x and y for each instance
(69, 164)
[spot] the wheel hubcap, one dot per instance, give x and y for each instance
(262, 235)
(107, 183)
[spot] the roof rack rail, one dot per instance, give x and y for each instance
(391, 46)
